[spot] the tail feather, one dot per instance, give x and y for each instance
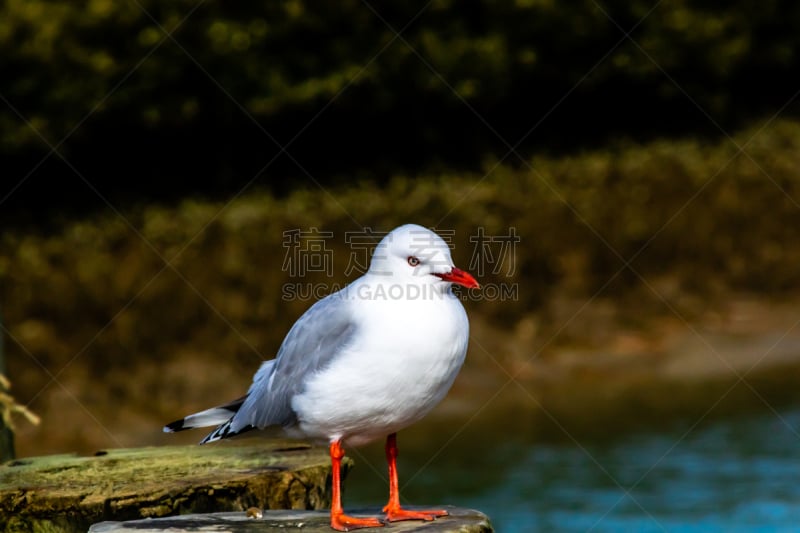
(216, 416)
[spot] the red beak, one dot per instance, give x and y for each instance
(459, 276)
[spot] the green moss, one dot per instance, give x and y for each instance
(67, 493)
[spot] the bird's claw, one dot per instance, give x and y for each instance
(343, 522)
(397, 514)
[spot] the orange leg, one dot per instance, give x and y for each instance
(339, 520)
(392, 509)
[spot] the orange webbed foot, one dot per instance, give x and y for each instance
(396, 514)
(343, 522)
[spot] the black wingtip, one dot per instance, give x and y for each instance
(172, 427)
(224, 432)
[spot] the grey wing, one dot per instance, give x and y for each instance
(314, 340)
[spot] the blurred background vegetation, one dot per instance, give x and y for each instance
(155, 152)
(155, 100)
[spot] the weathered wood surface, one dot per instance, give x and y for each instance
(67, 493)
(459, 521)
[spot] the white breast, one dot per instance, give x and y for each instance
(401, 363)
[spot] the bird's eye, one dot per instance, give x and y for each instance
(413, 261)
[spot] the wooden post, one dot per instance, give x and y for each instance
(6, 435)
(68, 493)
(459, 520)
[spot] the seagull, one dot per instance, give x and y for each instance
(362, 363)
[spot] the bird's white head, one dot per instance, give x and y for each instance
(415, 255)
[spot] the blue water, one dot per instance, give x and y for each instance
(736, 474)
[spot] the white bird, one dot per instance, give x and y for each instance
(362, 363)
